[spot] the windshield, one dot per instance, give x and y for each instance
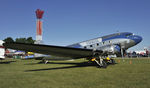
(127, 35)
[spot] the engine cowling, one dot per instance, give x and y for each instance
(111, 49)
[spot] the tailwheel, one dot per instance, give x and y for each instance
(45, 61)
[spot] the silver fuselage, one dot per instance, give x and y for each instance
(111, 43)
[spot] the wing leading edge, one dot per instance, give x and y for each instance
(52, 50)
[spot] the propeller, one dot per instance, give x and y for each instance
(122, 53)
(122, 46)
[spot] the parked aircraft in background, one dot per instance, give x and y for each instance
(2, 50)
(93, 49)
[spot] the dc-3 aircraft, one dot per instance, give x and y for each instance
(93, 49)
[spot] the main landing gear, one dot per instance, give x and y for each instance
(103, 62)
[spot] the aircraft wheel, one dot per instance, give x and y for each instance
(112, 61)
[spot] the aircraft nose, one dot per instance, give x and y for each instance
(137, 39)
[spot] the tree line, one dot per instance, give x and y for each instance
(19, 40)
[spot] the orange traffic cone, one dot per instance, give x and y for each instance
(118, 61)
(130, 62)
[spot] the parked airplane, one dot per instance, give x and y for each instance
(93, 50)
(2, 50)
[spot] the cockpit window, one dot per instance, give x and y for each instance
(127, 35)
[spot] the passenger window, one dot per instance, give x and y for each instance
(91, 46)
(127, 35)
(85, 47)
(97, 44)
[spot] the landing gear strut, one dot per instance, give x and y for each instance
(103, 62)
(100, 62)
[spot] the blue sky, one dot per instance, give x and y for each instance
(70, 21)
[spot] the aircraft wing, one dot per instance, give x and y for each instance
(52, 50)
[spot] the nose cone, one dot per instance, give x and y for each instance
(137, 39)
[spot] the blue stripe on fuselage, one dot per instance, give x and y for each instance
(120, 35)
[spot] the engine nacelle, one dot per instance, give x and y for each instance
(111, 49)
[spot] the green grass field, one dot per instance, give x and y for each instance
(132, 73)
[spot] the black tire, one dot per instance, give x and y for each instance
(112, 61)
(104, 64)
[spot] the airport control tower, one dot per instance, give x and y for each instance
(39, 15)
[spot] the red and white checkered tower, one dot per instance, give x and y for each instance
(39, 15)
